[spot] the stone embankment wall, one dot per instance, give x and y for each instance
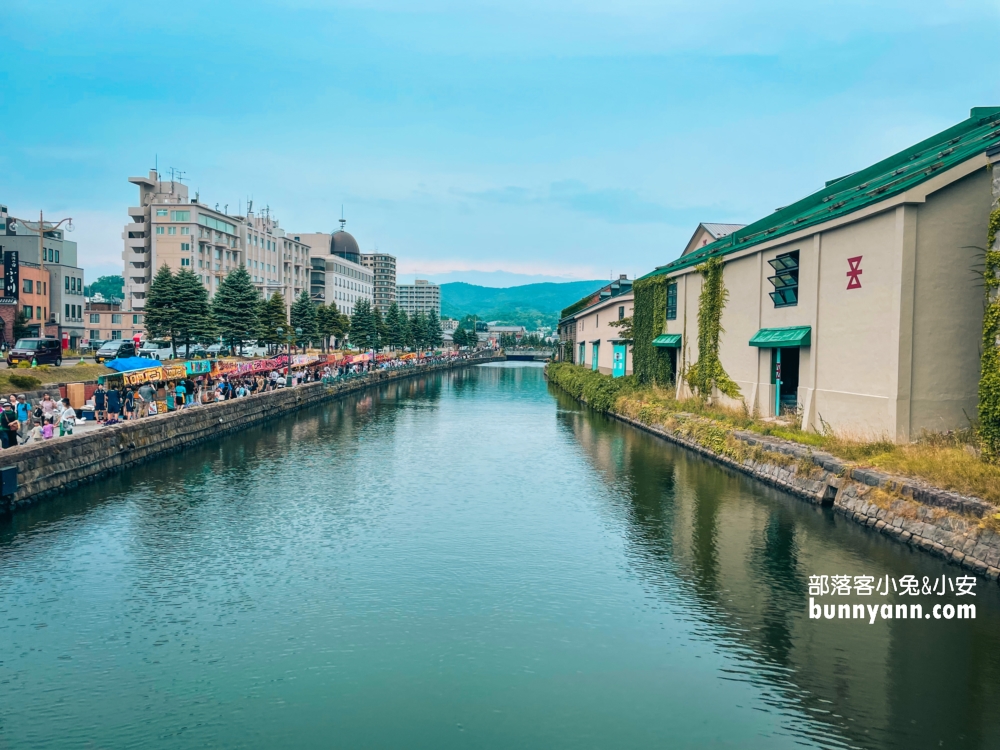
(952, 526)
(45, 469)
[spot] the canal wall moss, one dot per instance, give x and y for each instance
(959, 528)
(49, 468)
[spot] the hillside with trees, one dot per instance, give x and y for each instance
(528, 305)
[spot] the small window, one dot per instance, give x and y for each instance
(67, 312)
(95, 318)
(185, 261)
(136, 320)
(180, 216)
(621, 312)
(116, 335)
(27, 312)
(116, 319)
(185, 230)
(185, 246)
(38, 313)
(672, 301)
(159, 230)
(67, 283)
(57, 256)
(171, 230)
(27, 286)
(785, 280)
(161, 212)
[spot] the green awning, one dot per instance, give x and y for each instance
(775, 338)
(668, 340)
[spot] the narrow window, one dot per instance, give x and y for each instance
(672, 301)
(785, 280)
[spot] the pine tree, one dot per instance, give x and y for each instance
(433, 330)
(364, 331)
(270, 319)
(419, 324)
(304, 318)
(234, 308)
(159, 313)
(458, 337)
(405, 329)
(393, 337)
(193, 315)
(380, 326)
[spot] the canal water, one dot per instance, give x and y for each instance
(468, 560)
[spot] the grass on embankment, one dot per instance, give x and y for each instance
(47, 375)
(950, 462)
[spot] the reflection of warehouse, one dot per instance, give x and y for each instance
(859, 305)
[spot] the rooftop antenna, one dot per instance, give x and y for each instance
(249, 206)
(197, 194)
(180, 177)
(342, 219)
(226, 209)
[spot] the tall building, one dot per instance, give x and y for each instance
(59, 273)
(337, 275)
(170, 228)
(383, 269)
(421, 296)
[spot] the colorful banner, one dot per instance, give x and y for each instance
(235, 367)
(174, 372)
(198, 367)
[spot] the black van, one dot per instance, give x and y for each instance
(115, 349)
(43, 351)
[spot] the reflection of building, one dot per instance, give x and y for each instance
(420, 296)
(877, 268)
(383, 269)
(106, 320)
(65, 278)
(336, 270)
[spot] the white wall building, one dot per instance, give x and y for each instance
(420, 296)
(344, 280)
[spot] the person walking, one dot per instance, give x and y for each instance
(23, 411)
(49, 407)
(147, 396)
(128, 403)
(114, 404)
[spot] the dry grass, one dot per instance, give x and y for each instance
(950, 462)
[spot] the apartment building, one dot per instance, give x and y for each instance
(336, 271)
(33, 296)
(169, 227)
(420, 296)
(58, 271)
(383, 269)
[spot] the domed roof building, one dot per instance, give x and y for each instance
(343, 244)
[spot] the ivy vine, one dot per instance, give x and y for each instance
(707, 373)
(650, 364)
(989, 378)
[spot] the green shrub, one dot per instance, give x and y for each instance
(599, 391)
(27, 382)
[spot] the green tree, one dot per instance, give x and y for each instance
(364, 330)
(21, 329)
(160, 312)
(379, 326)
(405, 329)
(270, 318)
(433, 329)
(332, 323)
(393, 332)
(107, 286)
(458, 337)
(193, 315)
(304, 318)
(418, 330)
(235, 307)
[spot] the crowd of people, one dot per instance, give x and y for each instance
(22, 422)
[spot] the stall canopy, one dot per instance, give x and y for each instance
(668, 341)
(778, 338)
(127, 364)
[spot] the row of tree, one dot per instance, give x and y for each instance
(177, 307)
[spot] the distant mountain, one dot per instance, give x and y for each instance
(529, 305)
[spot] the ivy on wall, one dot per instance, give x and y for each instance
(649, 363)
(707, 373)
(989, 378)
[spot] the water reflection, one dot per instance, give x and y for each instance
(745, 553)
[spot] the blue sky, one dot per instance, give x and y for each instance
(545, 138)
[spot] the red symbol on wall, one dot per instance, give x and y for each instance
(854, 273)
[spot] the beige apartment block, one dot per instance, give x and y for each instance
(859, 308)
(337, 274)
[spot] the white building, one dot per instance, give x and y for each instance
(421, 296)
(382, 266)
(337, 273)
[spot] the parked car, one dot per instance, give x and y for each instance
(217, 350)
(92, 345)
(195, 351)
(253, 349)
(114, 349)
(156, 350)
(42, 351)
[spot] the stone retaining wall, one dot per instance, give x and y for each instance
(945, 524)
(45, 469)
